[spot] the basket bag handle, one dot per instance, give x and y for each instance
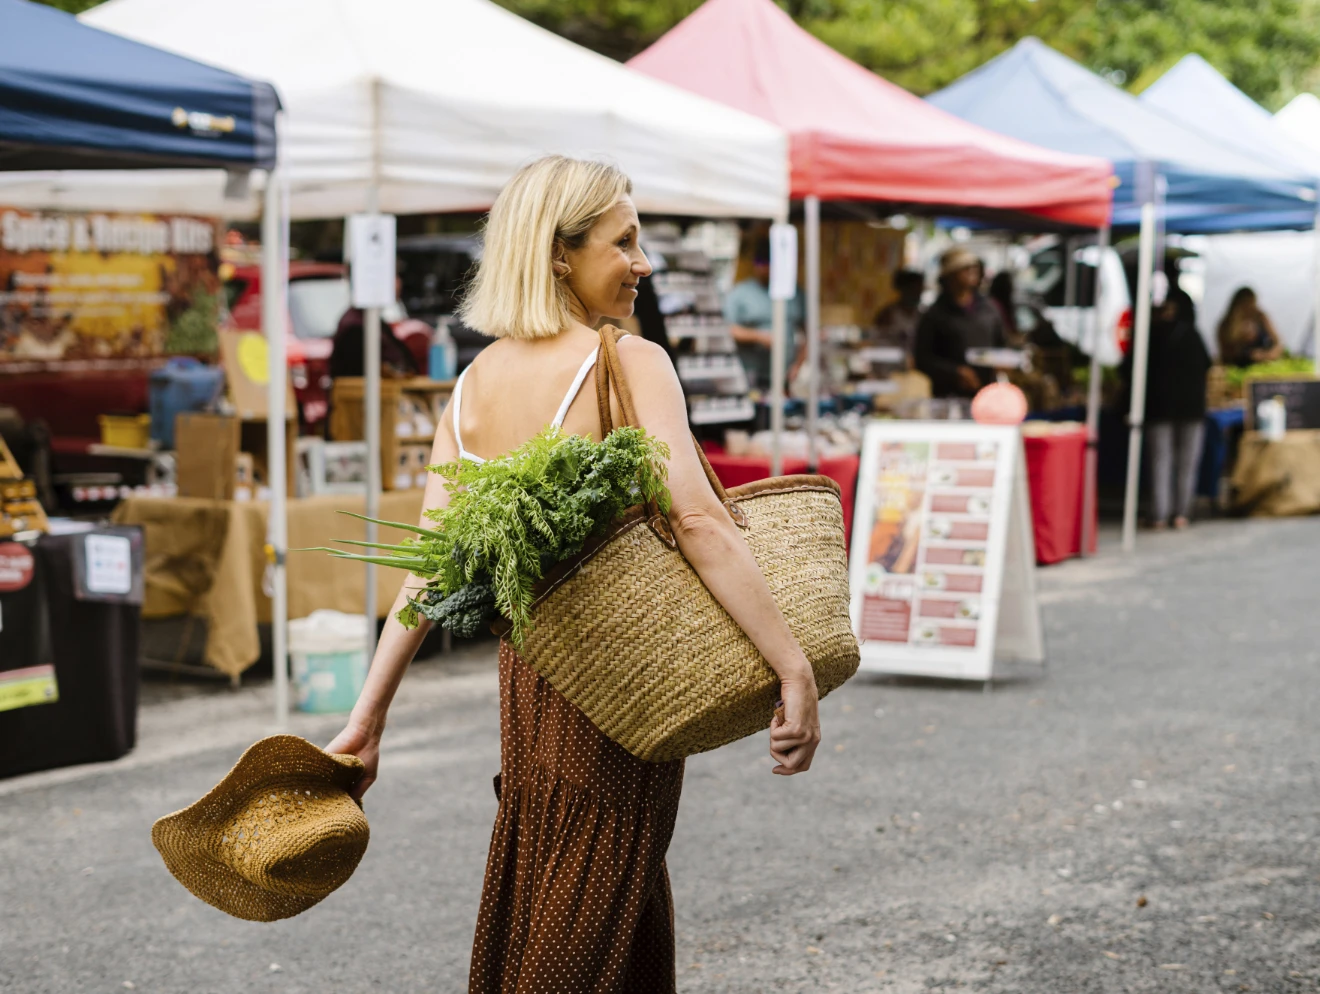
(609, 372)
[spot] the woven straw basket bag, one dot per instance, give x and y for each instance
(630, 635)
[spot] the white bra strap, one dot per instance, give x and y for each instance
(574, 390)
(458, 410)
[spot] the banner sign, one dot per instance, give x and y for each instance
(76, 287)
(942, 565)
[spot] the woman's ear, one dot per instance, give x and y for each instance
(559, 262)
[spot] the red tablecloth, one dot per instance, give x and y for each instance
(1056, 471)
(734, 471)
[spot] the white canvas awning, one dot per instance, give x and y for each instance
(437, 101)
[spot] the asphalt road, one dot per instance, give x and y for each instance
(1142, 816)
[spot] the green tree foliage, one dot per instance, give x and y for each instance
(1269, 48)
(72, 6)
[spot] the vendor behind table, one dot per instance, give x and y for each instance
(749, 311)
(961, 318)
(896, 323)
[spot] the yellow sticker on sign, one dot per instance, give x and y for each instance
(26, 687)
(254, 358)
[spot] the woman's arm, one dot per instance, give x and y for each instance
(397, 645)
(716, 549)
(1275, 349)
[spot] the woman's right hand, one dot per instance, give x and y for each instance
(363, 742)
(795, 736)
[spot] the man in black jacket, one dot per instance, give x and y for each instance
(960, 319)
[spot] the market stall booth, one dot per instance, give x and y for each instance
(1172, 177)
(376, 122)
(72, 97)
(858, 139)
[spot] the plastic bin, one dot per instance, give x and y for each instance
(329, 653)
(182, 385)
(126, 431)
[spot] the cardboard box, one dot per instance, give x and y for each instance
(206, 454)
(208, 449)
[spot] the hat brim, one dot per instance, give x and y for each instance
(179, 837)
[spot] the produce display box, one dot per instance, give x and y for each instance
(20, 510)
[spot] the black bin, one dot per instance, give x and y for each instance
(93, 645)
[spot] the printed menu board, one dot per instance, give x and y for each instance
(936, 508)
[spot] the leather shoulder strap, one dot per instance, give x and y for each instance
(609, 372)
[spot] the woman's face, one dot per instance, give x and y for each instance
(603, 273)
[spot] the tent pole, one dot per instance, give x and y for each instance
(1315, 276)
(1091, 482)
(1070, 275)
(371, 391)
(274, 308)
(778, 364)
(1140, 354)
(811, 210)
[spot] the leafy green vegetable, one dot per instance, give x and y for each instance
(1235, 376)
(509, 520)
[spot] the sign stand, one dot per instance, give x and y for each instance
(942, 570)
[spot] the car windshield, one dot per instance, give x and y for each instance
(316, 305)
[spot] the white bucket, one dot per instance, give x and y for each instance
(329, 653)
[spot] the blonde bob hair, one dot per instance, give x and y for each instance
(554, 200)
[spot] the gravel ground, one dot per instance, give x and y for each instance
(1140, 817)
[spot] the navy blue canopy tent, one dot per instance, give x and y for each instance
(1209, 183)
(1171, 175)
(74, 97)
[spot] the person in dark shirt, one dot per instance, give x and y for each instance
(960, 319)
(347, 359)
(1176, 368)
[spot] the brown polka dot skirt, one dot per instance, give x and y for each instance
(576, 898)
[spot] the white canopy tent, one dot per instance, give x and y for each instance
(419, 106)
(437, 103)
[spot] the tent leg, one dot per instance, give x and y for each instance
(1091, 482)
(1315, 276)
(371, 391)
(1140, 354)
(274, 308)
(811, 210)
(778, 362)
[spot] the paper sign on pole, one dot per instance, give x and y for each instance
(783, 261)
(942, 572)
(369, 250)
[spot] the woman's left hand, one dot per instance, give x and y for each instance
(795, 736)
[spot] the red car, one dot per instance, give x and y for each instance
(318, 298)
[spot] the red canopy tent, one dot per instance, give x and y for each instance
(854, 136)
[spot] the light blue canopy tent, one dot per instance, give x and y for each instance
(1210, 179)
(1170, 173)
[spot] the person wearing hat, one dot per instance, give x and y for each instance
(749, 311)
(959, 319)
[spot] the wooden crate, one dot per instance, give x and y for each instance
(347, 420)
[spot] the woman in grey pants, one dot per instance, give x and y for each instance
(1175, 409)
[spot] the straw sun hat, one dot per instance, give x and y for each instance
(278, 834)
(955, 259)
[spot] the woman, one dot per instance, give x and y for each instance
(1246, 333)
(1175, 408)
(576, 896)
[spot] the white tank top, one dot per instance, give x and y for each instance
(587, 365)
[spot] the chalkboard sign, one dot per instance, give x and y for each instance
(1300, 395)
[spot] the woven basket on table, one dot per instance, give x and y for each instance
(628, 633)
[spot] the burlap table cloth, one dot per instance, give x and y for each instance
(1278, 479)
(207, 558)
